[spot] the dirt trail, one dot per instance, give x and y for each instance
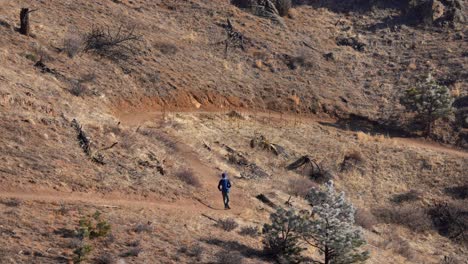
(139, 117)
(207, 197)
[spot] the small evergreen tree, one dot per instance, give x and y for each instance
(282, 236)
(332, 230)
(430, 101)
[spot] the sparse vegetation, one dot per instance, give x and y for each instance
(300, 186)
(11, 202)
(251, 231)
(194, 251)
(77, 89)
(229, 257)
(72, 44)
(365, 218)
(167, 48)
(410, 196)
(116, 45)
(451, 220)
(81, 253)
(188, 176)
(227, 224)
(140, 228)
(93, 227)
(409, 215)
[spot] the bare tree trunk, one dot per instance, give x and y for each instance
(24, 21)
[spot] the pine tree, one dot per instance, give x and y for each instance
(430, 101)
(282, 236)
(331, 229)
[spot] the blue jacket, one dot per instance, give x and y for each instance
(224, 185)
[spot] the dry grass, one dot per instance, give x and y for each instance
(300, 186)
(412, 216)
(189, 177)
(365, 218)
(227, 224)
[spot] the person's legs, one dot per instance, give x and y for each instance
(226, 200)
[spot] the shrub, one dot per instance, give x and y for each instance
(12, 202)
(364, 218)
(300, 187)
(229, 257)
(72, 44)
(410, 196)
(416, 218)
(451, 220)
(320, 175)
(106, 258)
(228, 224)
(194, 251)
(167, 48)
(188, 177)
(351, 160)
(76, 88)
(399, 246)
(117, 45)
(148, 228)
(283, 7)
(133, 252)
(93, 227)
(81, 253)
(251, 231)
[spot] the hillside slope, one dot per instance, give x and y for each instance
(162, 126)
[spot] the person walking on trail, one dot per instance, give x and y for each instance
(224, 185)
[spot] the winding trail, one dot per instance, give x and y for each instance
(207, 198)
(135, 118)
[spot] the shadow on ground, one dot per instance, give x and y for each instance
(230, 245)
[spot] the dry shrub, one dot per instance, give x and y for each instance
(300, 187)
(167, 48)
(364, 218)
(228, 224)
(77, 89)
(72, 44)
(188, 176)
(251, 231)
(300, 61)
(12, 202)
(194, 251)
(351, 159)
(364, 137)
(116, 45)
(451, 220)
(400, 246)
(133, 252)
(410, 196)
(140, 228)
(229, 257)
(411, 216)
(105, 258)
